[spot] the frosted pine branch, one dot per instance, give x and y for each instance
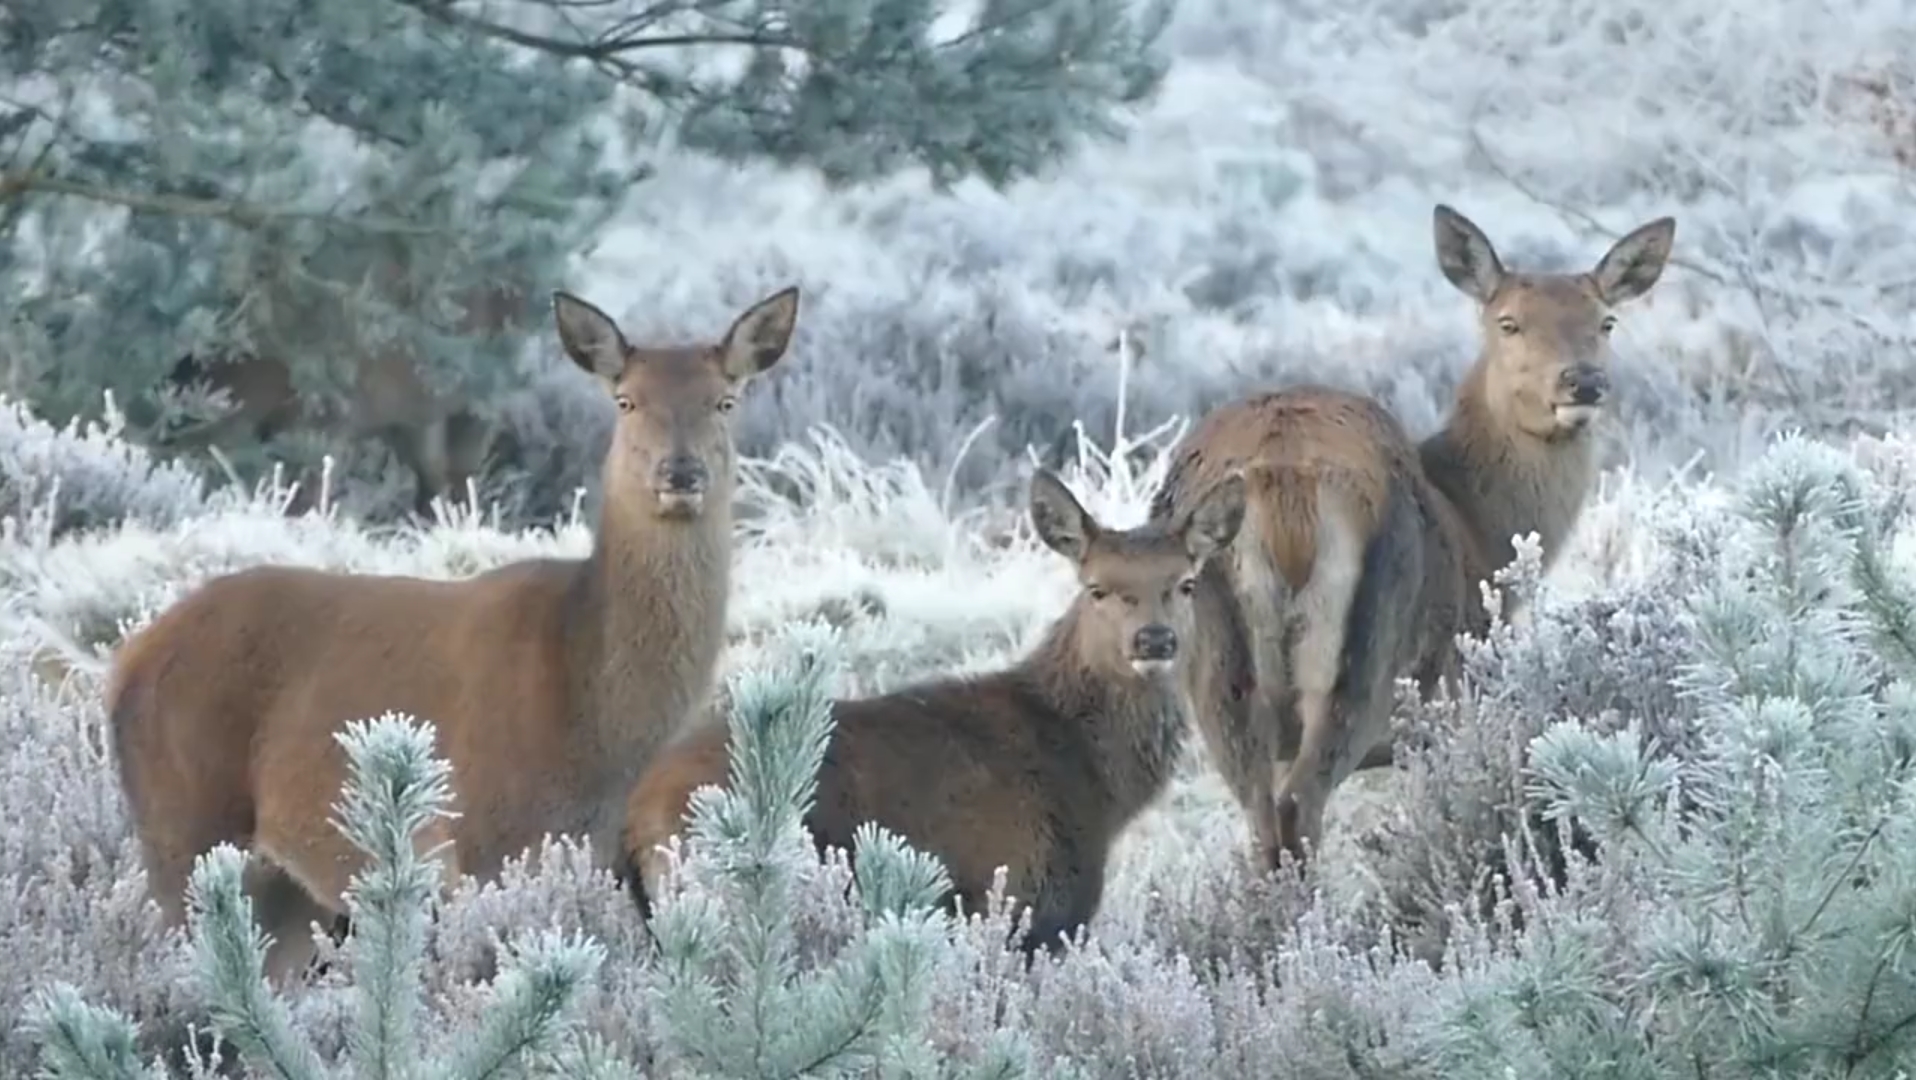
(84, 1042)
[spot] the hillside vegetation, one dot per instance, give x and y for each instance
(1716, 689)
(1669, 830)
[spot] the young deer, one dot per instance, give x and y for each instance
(440, 439)
(1363, 551)
(551, 681)
(1036, 767)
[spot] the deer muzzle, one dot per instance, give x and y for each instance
(1153, 649)
(680, 484)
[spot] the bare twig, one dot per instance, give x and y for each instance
(14, 123)
(21, 121)
(1583, 217)
(636, 22)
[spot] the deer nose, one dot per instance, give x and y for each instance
(1587, 384)
(682, 474)
(1154, 642)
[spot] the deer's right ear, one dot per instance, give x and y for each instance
(1059, 519)
(589, 336)
(1464, 254)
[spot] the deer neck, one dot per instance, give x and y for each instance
(1132, 726)
(1504, 481)
(654, 595)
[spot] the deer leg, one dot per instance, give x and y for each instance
(421, 451)
(468, 441)
(1346, 721)
(1320, 618)
(287, 913)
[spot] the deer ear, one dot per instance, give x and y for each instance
(1215, 518)
(758, 339)
(1634, 263)
(1465, 254)
(1059, 519)
(589, 336)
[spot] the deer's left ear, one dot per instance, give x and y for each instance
(1634, 263)
(759, 337)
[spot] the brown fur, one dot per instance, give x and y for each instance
(551, 681)
(1363, 552)
(438, 437)
(1037, 767)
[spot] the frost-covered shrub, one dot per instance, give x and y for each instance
(1749, 892)
(54, 480)
(1600, 662)
(73, 900)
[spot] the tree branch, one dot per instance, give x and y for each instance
(1580, 216)
(604, 50)
(245, 215)
(330, 113)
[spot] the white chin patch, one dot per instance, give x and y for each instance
(1151, 669)
(1577, 416)
(680, 506)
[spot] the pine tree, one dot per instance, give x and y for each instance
(315, 182)
(736, 997)
(395, 787)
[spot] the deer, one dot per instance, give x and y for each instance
(1036, 767)
(1362, 553)
(439, 438)
(550, 681)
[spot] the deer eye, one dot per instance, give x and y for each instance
(624, 402)
(1187, 586)
(1097, 592)
(1508, 325)
(1609, 323)
(727, 403)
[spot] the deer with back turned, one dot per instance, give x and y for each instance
(1036, 767)
(1362, 551)
(550, 681)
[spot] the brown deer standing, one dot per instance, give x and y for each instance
(437, 437)
(551, 681)
(1036, 767)
(1363, 551)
